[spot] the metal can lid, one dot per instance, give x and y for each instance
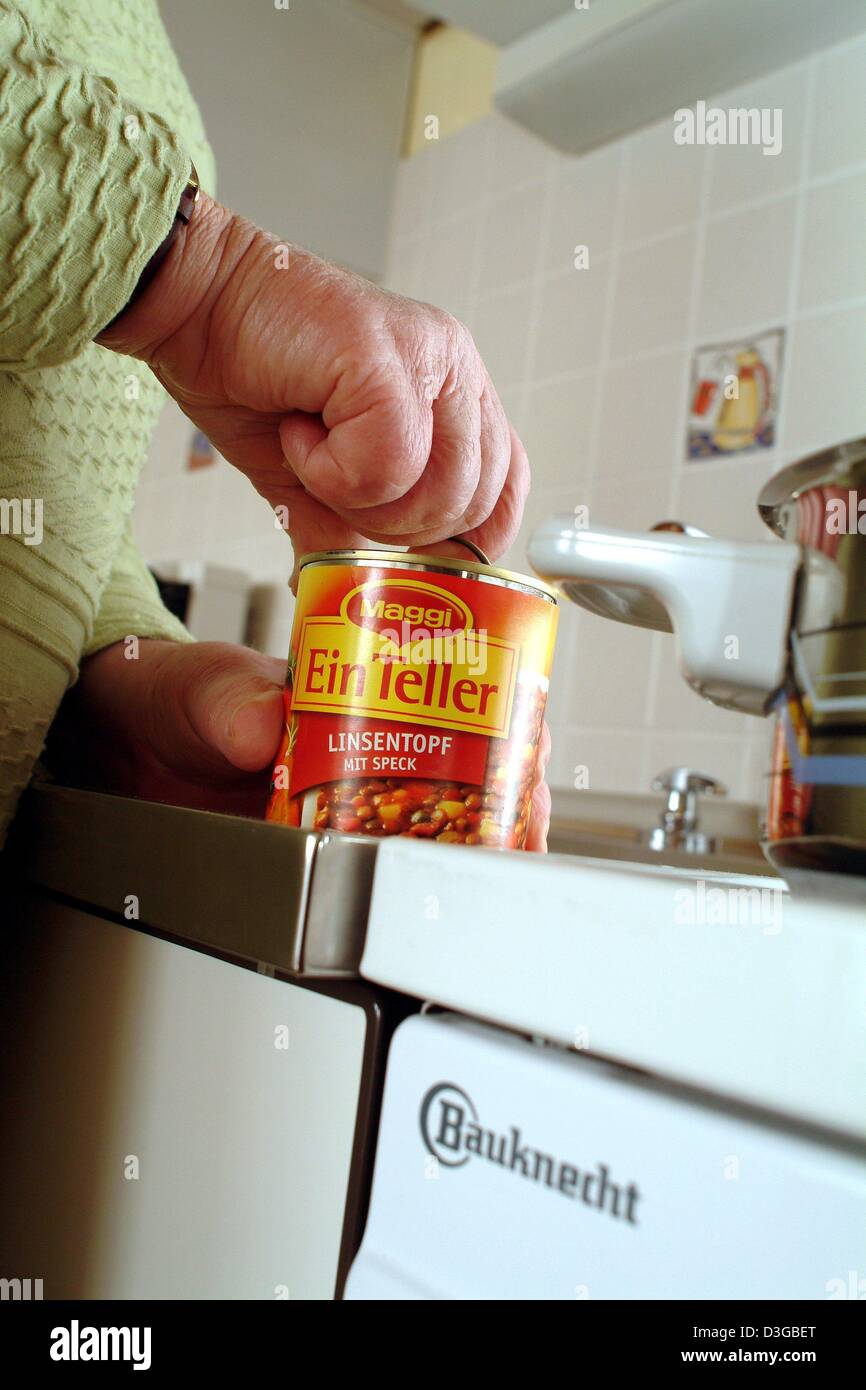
(409, 559)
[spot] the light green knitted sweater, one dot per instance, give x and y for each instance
(97, 129)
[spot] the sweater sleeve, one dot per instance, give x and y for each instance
(89, 186)
(131, 605)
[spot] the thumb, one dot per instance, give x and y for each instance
(229, 699)
(187, 713)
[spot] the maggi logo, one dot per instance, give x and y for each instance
(413, 613)
(417, 608)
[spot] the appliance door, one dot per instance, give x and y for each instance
(174, 1125)
(511, 1170)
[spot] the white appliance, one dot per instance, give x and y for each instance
(647, 1082)
(217, 599)
(728, 985)
(714, 1146)
(509, 1170)
(174, 1126)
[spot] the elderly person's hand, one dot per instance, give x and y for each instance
(365, 414)
(194, 725)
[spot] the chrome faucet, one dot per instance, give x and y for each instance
(678, 826)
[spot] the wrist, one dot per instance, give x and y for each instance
(186, 285)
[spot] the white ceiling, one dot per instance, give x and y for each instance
(501, 21)
(399, 11)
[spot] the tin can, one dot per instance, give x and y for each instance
(414, 698)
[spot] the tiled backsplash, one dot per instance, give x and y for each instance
(214, 515)
(688, 245)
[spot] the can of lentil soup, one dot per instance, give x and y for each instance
(414, 698)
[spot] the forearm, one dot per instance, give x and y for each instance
(187, 285)
(90, 184)
(220, 272)
(364, 415)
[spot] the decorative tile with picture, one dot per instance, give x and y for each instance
(201, 451)
(734, 395)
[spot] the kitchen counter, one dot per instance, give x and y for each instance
(723, 982)
(214, 1012)
(293, 901)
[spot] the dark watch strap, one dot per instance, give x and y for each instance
(188, 200)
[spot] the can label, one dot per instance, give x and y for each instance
(789, 800)
(414, 703)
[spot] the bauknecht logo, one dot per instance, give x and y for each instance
(453, 1134)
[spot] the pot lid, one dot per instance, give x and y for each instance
(842, 466)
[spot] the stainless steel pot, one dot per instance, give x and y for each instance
(762, 627)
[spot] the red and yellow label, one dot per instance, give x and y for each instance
(406, 675)
(406, 650)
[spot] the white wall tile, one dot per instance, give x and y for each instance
(169, 526)
(571, 321)
(236, 507)
(719, 496)
(613, 759)
(721, 758)
(653, 291)
(278, 640)
(839, 128)
(631, 503)
(445, 264)
(741, 173)
(512, 401)
(833, 263)
(825, 390)
(746, 270)
(500, 325)
(169, 444)
(676, 706)
(639, 415)
(516, 156)
(144, 523)
(610, 661)
(460, 169)
(508, 247)
(663, 184)
(269, 555)
(557, 429)
(413, 195)
(404, 267)
(582, 208)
